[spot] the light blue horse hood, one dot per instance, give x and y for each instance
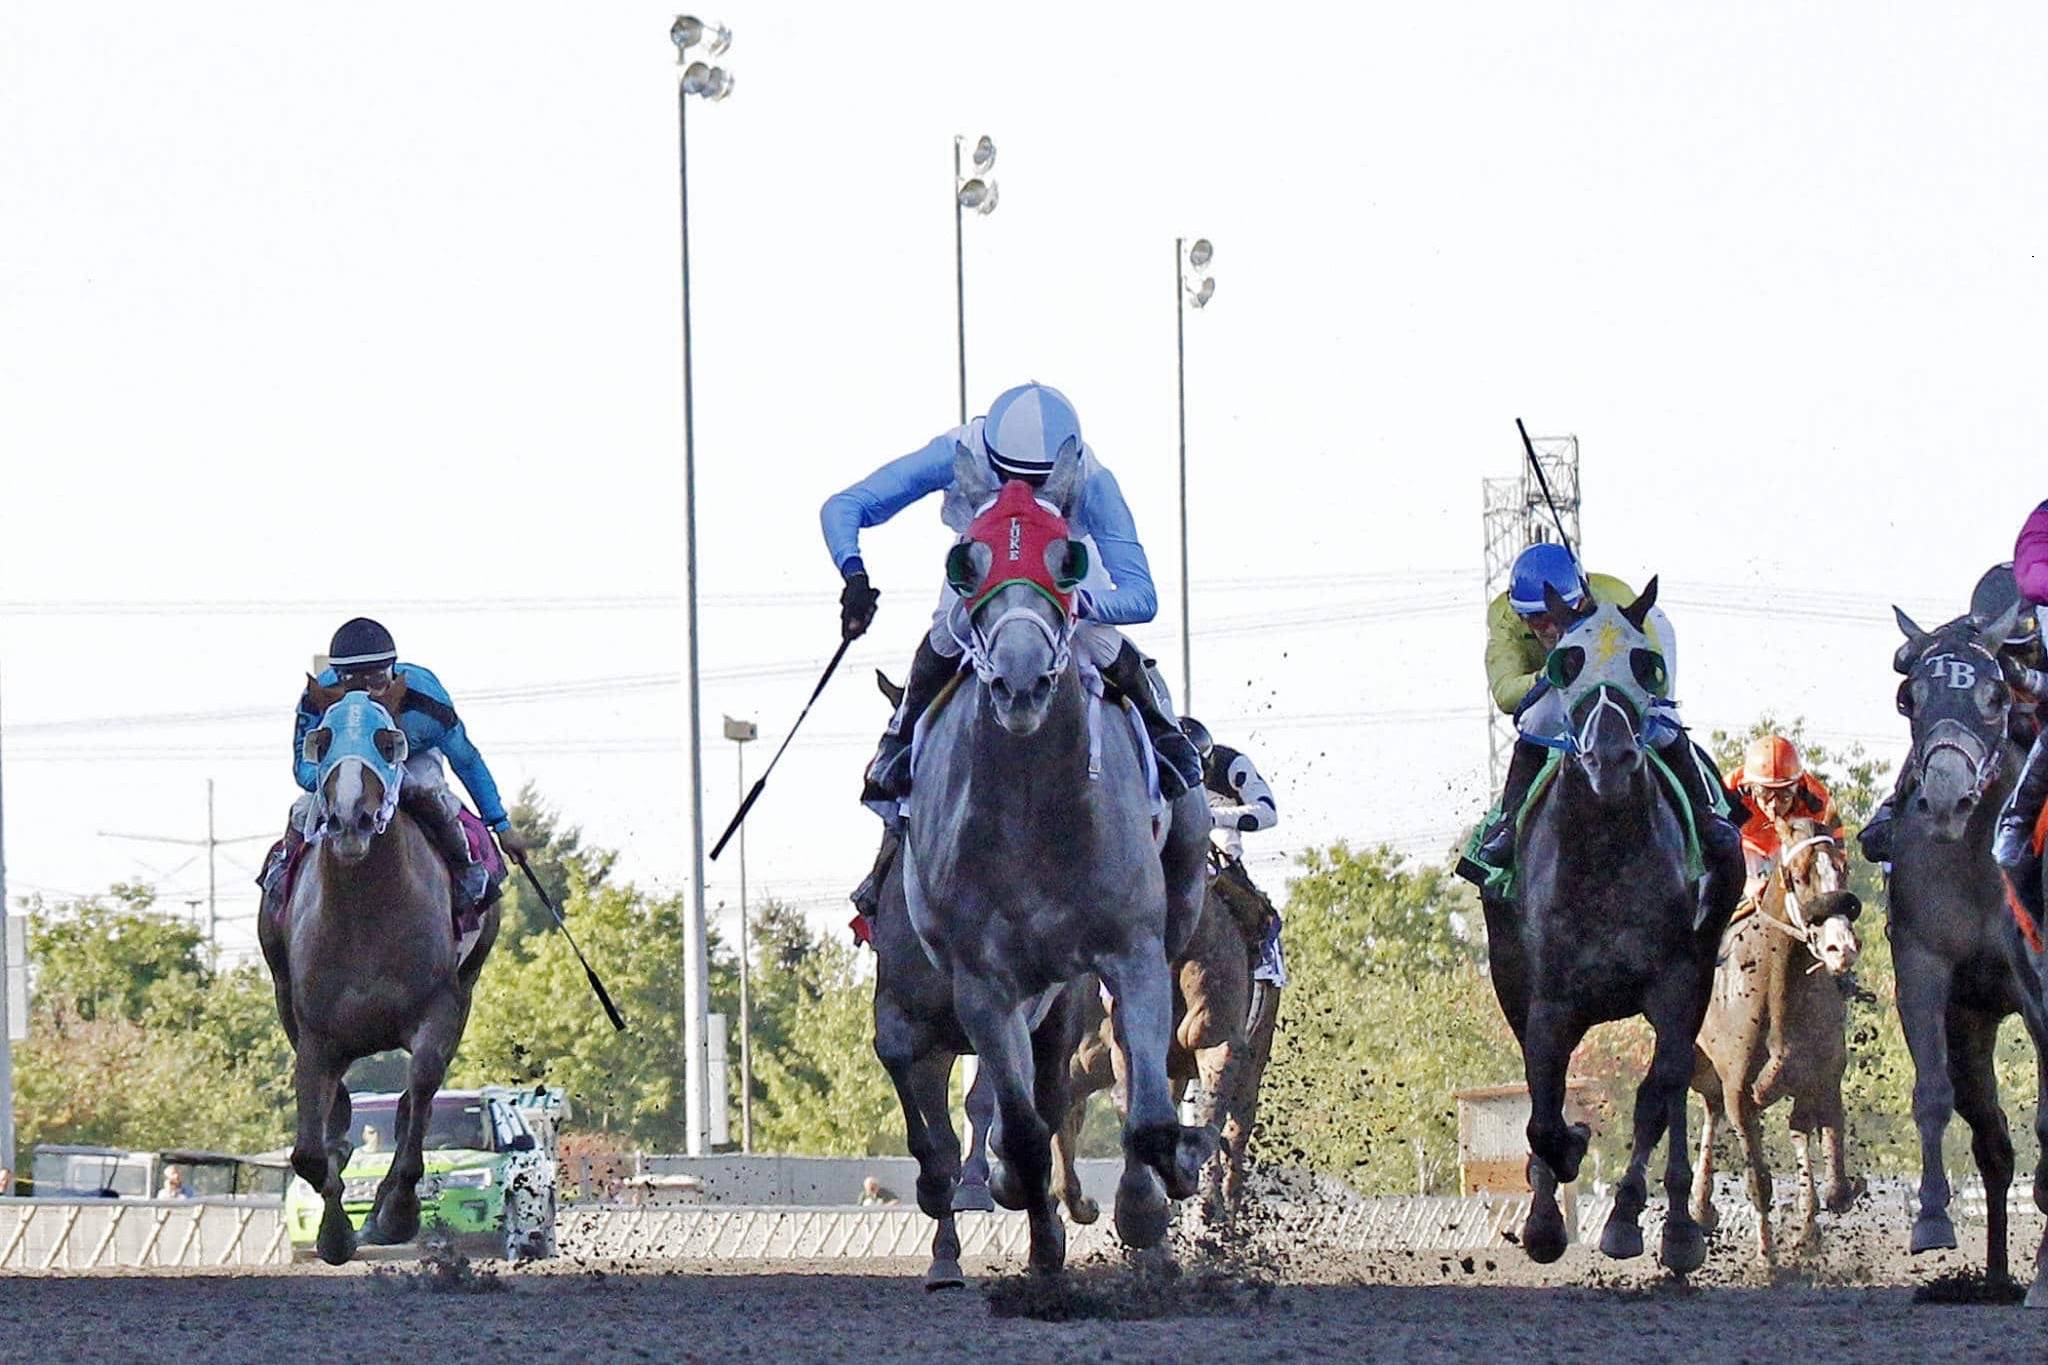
(355, 722)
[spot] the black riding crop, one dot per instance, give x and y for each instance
(761, 783)
(1529, 447)
(604, 996)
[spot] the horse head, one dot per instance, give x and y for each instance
(359, 753)
(1016, 572)
(1956, 698)
(1607, 672)
(1813, 869)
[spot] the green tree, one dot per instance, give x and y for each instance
(1388, 1013)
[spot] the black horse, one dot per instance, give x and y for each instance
(1607, 924)
(1964, 962)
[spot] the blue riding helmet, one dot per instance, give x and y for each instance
(1027, 429)
(1544, 566)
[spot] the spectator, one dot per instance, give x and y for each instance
(174, 1184)
(872, 1191)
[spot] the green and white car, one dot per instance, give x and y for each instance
(490, 1168)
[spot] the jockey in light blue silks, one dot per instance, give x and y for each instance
(363, 658)
(1027, 428)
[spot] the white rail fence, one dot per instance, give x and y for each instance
(136, 1234)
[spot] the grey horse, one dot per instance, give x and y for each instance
(1032, 857)
(364, 961)
(1607, 925)
(1962, 959)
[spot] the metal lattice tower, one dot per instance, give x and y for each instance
(1514, 517)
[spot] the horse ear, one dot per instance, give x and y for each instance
(972, 475)
(1064, 483)
(1912, 632)
(1559, 609)
(889, 689)
(1638, 611)
(392, 698)
(321, 696)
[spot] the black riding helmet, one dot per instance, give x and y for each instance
(361, 646)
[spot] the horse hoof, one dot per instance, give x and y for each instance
(2037, 1297)
(1685, 1247)
(1621, 1241)
(1933, 1232)
(1841, 1198)
(944, 1275)
(1707, 1216)
(1543, 1239)
(1142, 1213)
(336, 1243)
(1048, 1245)
(1191, 1152)
(1083, 1210)
(973, 1199)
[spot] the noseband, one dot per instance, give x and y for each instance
(385, 808)
(1581, 741)
(1949, 735)
(980, 640)
(1805, 930)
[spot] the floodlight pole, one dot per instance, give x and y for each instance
(1180, 349)
(960, 278)
(6, 1017)
(696, 993)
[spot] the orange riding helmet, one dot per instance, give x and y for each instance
(1772, 761)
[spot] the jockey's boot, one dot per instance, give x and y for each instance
(439, 812)
(2014, 845)
(272, 878)
(1180, 762)
(1720, 838)
(1497, 849)
(888, 776)
(867, 897)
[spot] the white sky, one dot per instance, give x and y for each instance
(312, 310)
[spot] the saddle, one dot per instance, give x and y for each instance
(1500, 883)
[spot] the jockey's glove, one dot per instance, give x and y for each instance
(857, 603)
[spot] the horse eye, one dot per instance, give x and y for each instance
(1564, 665)
(1649, 670)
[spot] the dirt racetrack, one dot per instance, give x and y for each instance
(1857, 1304)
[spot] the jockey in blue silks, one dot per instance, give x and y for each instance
(362, 657)
(1026, 431)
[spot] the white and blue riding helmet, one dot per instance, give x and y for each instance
(1027, 429)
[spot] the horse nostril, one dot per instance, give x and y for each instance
(1966, 805)
(1002, 690)
(1041, 691)
(1922, 804)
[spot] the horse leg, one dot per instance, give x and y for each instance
(1972, 1039)
(1221, 1068)
(1021, 1141)
(1154, 1140)
(396, 1218)
(922, 1074)
(1745, 1115)
(1660, 1109)
(1555, 1150)
(316, 1077)
(1923, 992)
(1809, 1205)
(1707, 1082)
(972, 1191)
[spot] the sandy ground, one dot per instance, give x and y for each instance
(1858, 1303)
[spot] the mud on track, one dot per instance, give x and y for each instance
(1857, 1304)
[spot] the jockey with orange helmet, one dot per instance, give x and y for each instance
(1774, 781)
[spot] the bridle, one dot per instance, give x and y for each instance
(979, 641)
(1795, 924)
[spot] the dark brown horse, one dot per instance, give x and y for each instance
(1222, 1036)
(364, 961)
(1777, 1026)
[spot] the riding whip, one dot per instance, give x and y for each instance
(1529, 446)
(761, 783)
(603, 996)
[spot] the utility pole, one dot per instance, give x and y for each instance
(6, 1016)
(212, 845)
